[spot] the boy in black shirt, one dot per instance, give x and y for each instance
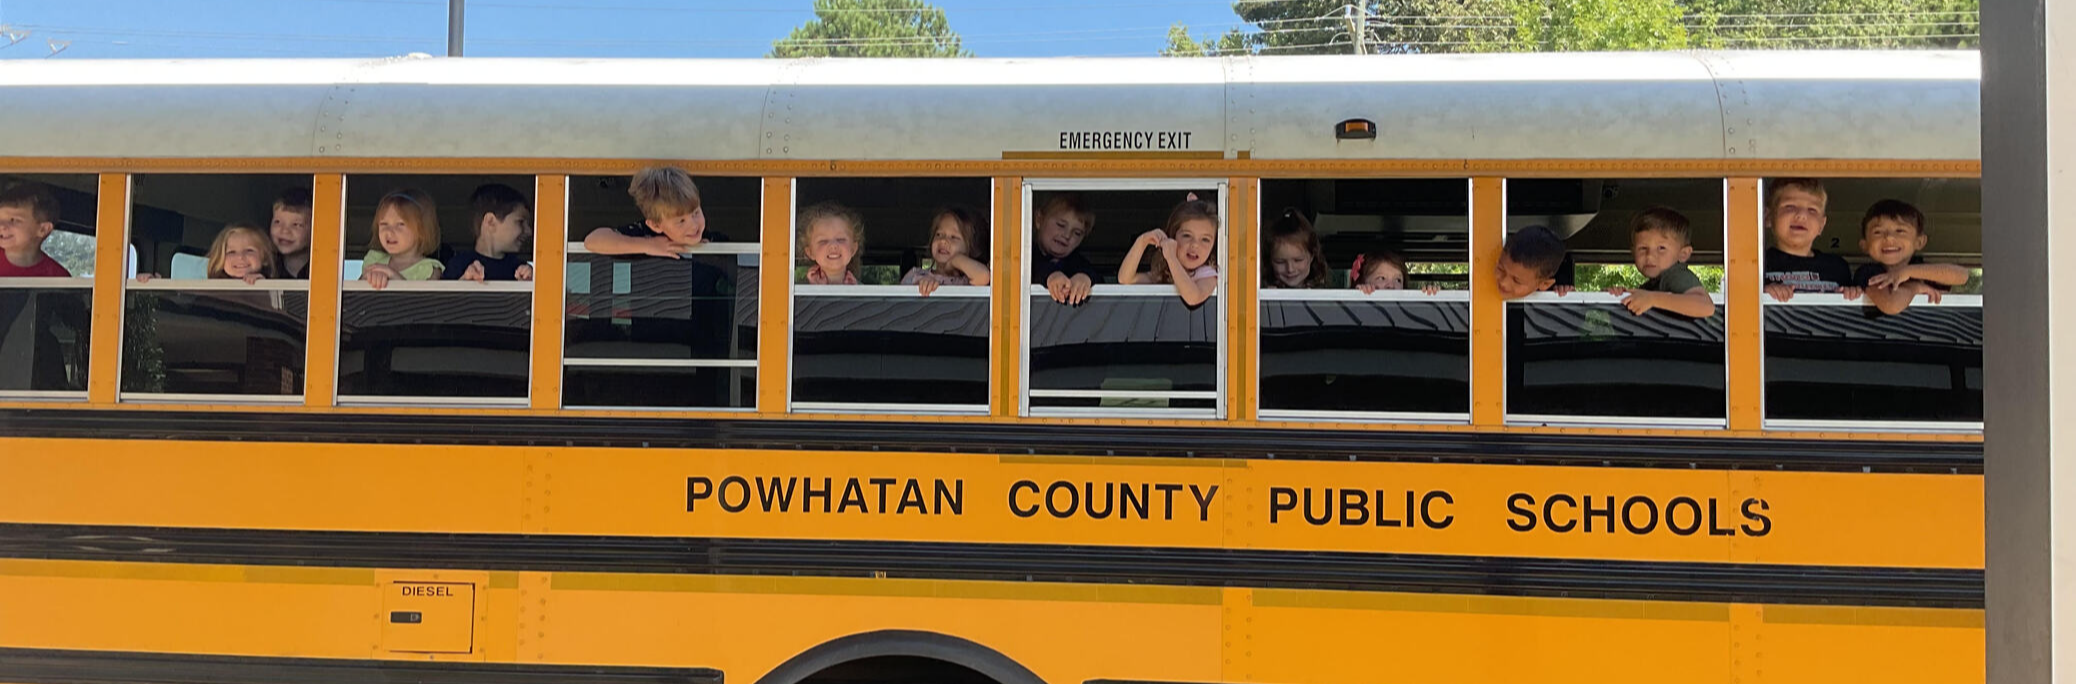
(504, 220)
(1056, 261)
(1891, 234)
(1796, 210)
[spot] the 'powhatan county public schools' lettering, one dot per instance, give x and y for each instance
(1406, 508)
(1124, 140)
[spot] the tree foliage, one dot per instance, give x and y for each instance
(872, 28)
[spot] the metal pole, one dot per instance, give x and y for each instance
(454, 12)
(1355, 27)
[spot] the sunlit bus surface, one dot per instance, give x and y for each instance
(1586, 368)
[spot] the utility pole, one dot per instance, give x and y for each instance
(454, 12)
(1357, 23)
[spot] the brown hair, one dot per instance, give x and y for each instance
(417, 210)
(1894, 210)
(1070, 203)
(1662, 220)
(1188, 210)
(42, 205)
(1369, 261)
(836, 210)
(972, 226)
(1291, 227)
(294, 200)
(1537, 248)
(664, 192)
(1808, 185)
(251, 232)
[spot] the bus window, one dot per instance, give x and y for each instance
(1598, 354)
(215, 309)
(1097, 347)
(46, 296)
(1902, 349)
(652, 332)
(1332, 348)
(410, 330)
(905, 325)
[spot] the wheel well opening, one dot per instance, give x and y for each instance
(895, 669)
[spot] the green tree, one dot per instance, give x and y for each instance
(1180, 44)
(872, 28)
(1837, 24)
(1596, 25)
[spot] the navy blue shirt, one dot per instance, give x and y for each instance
(502, 268)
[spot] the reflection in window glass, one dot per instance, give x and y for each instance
(214, 342)
(415, 344)
(43, 338)
(895, 348)
(1393, 356)
(1601, 360)
(1850, 362)
(1124, 351)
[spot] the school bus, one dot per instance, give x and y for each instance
(698, 469)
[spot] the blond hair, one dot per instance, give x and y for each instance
(1808, 185)
(664, 192)
(833, 210)
(416, 208)
(251, 232)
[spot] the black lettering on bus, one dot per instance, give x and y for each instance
(853, 495)
(697, 488)
(1134, 502)
(741, 485)
(1281, 499)
(1713, 530)
(808, 494)
(1607, 514)
(1526, 520)
(881, 483)
(1017, 489)
(955, 495)
(1326, 508)
(1427, 514)
(1358, 501)
(911, 496)
(1672, 523)
(1382, 519)
(1765, 523)
(1550, 519)
(1629, 522)
(1109, 499)
(1073, 499)
(1203, 501)
(1168, 490)
(769, 491)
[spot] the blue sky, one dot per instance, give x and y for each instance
(102, 29)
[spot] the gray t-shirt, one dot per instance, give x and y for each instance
(1677, 280)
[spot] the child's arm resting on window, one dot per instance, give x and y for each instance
(975, 271)
(1949, 275)
(611, 242)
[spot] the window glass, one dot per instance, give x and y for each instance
(441, 309)
(46, 291)
(649, 331)
(1331, 347)
(1872, 313)
(1099, 344)
(216, 306)
(890, 301)
(1639, 337)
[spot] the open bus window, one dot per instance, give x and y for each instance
(1331, 348)
(217, 308)
(647, 331)
(46, 289)
(1640, 339)
(411, 329)
(890, 305)
(1095, 346)
(1872, 314)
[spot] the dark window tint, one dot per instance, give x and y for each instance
(702, 307)
(1374, 356)
(895, 349)
(434, 344)
(214, 342)
(659, 387)
(43, 338)
(1601, 360)
(1120, 343)
(1851, 362)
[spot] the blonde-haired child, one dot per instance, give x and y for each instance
(1295, 257)
(672, 219)
(243, 252)
(407, 232)
(958, 240)
(1188, 244)
(831, 236)
(1382, 270)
